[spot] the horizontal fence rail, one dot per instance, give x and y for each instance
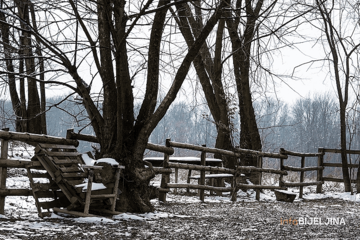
(238, 152)
(37, 138)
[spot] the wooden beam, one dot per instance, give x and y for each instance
(160, 170)
(159, 148)
(18, 163)
(339, 165)
(287, 184)
(225, 152)
(199, 168)
(297, 154)
(3, 171)
(330, 179)
(195, 186)
(302, 176)
(15, 192)
(331, 150)
(37, 138)
(267, 170)
(304, 169)
(258, 186)
(202, 174)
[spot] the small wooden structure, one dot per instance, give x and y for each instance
(55, 173)
(67, 169)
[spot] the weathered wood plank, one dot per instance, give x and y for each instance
(18, 163)
(225, 152)
(330, 179)
(30, 137)
(194, 186)
(15, 192)
(44, 187)
(298, 184)
(198, 167)
(160, 170)
(255, 169)
(330, 150)
(57, 146)
(213, 176)
(202, 175)
(3, 171)
(302, 176)
(159, 148)
(74, 182)
(74, 175)
(339, 165)
(63, 154)
(304, 169)
(67, 161)
(297, 154)
(320, 172)
(70, 169)
(258, 186)
(103, 196)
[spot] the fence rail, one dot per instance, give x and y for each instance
(165, 171)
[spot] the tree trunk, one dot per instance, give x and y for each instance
(249, 133)
(209, 72)
(345, 168)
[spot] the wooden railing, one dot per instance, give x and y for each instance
(331, 179)
(319, 168)
(72, 138)
(6, 163)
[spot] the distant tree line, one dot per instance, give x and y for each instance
(304, 126)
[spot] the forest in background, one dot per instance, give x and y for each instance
(304, 126)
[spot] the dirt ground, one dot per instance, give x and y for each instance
(240, 220)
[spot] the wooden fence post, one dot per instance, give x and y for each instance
(259, 165)
(3, 172)
(202, 174)
(165, 177)
(320, 171)
(302, 173)
(281, 178)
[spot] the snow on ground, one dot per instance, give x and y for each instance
(184, 216)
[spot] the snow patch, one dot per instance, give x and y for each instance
(94, 186)
(110, 161)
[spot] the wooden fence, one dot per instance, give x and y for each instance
(339, 165)
(282, 155)
(165, 171)
(165, 184)
(319, 168)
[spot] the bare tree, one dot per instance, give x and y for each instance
(208, 66)
(103, 29)
(23, 60)
(341, 46)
